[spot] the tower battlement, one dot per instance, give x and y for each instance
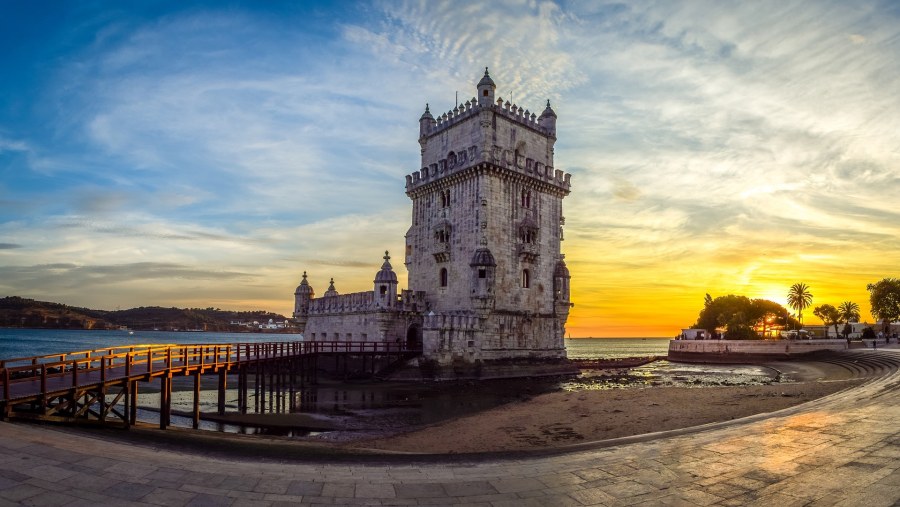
(471, 108)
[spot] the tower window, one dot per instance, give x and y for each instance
(443, 277)
(484, 93)
(526, 198)
(445, 198)
(482, 273)
(383, 289)
(526, 279)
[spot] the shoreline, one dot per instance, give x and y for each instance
(535, 419)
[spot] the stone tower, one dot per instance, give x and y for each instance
(487, 226)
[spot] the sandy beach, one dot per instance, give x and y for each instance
(602, 403)
(561, 418)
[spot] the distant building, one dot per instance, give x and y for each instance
(487, 277)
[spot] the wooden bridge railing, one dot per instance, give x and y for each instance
(116, 363)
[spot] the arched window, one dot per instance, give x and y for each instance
(485, 93)
(526, 198)
(443, 277)
(445, 198)
(526, 279)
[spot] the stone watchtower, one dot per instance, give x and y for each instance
(487, 226)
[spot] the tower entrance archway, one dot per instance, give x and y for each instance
(414, 337)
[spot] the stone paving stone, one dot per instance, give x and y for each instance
(272, 497)
(132, 471)
(206, 500)
(49, 498)
(592, 474)
(626, 489)
(338, 490)
(276, 486)
(399, 501)
(304, 488)
(874, 495)
(240, 483)
(516, 485)
(243, 502)
(173, 497)
(7, 483)
(245, 495)
(426, 490)
(128, 490)
(697, 497)
(554, 500)
(472, 488)
(592, 496)
(97, 463)
(20, 492)
(369, 490)
(206, 490)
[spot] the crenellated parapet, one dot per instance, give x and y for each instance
(431, 126)
(343, 303)
(365, 302)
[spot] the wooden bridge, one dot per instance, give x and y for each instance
(101, 386)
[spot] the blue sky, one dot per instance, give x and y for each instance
(205, 154)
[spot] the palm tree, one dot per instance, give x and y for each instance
(849, 311)
(799, 298)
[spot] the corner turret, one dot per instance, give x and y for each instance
(426, 122)
(302, 296)
(547, 120)
(386, 284)
(331, 292)
(486, 89)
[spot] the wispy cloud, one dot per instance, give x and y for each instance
(719, 147)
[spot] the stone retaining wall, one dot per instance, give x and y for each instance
(737, 351)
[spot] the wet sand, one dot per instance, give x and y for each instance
(561, 418)
(606, 401)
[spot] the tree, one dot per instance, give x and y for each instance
(830, 316)
(799, 298)
(849, 311)
(739, 315)
(767, 313)
(884, 296)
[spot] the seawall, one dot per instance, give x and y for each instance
(747, 351)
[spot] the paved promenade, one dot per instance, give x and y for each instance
(839, 450)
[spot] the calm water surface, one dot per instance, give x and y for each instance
(37, 342)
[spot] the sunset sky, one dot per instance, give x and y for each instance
(206, 154)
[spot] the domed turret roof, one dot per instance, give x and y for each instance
(483, 257)
(486, 80)
(427, 114)
(548, 111)
(386, 275)
(331, 290)
(304, 287)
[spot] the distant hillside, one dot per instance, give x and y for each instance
(21, 312)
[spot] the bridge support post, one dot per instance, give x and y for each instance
(196, 411)
(223, 383)
(133, 394)
(165, 401)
